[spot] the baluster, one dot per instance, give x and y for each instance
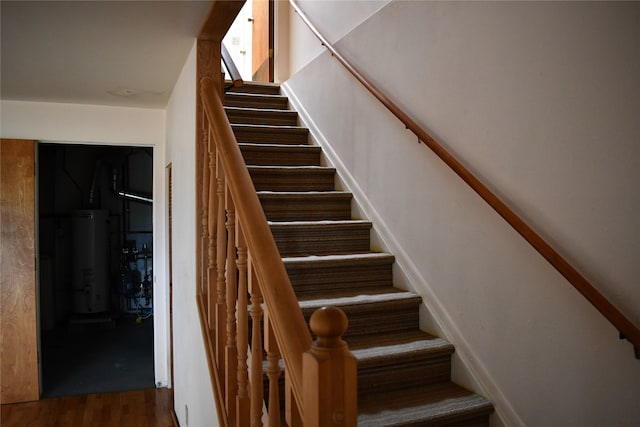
(231, 356)
(243, 402)
(204, 262)
(221, 258)
(222, 82)
(211, 230)
(273, 371)
(256, 349)
(329, 384)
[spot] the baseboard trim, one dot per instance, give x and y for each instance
(174, 417)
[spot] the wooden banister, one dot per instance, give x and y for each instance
(246, 304)
(288, 322)
(236, 78)
(630, 331)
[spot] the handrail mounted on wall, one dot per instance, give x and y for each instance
(626, 328)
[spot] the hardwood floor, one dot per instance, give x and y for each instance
(142, 408)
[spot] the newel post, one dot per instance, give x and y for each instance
(329, 385)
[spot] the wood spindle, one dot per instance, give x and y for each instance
(212, 234)
(256, 349)
(222, 75)
(243, 402)
(329, 384)
(231, 356)
(273, 372)
(221, 258)
(204, 261)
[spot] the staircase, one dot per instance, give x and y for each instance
(403, 373)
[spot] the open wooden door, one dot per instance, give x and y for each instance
(262, 44)
(18, 325)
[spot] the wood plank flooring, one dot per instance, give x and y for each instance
(141, 408)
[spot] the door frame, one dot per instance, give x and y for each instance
(161, 356)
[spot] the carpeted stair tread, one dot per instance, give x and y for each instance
(290, 169)
(378, 347)
(298, 194)
(320, 224)
(271, 128)
(432, 405)
(328, 261)
(387, 297)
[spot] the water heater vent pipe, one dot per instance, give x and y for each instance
(129, 194)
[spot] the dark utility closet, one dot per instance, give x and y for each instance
(96, 268)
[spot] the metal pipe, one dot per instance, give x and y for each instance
(134, 196)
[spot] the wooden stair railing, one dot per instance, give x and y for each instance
(235, 192)
(626, 328)
(244, 270)
(234, 74)
(246, 304)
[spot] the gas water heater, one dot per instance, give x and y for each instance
(90, 264)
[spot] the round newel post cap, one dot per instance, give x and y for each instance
(329, 324)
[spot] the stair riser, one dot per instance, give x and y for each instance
(276, 103)
(263, 89)
(318, 241)
(399, 374)
(283, 118)
(381, 318)
(320, 280)
(472, 421)
(269, 180)
(305, 208)
(270, 156)
(298, 136)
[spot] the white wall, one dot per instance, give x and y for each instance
(191, 373)
(334, 19)
(542, 100)
(96, 124)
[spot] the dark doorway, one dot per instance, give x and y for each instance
(95, 256)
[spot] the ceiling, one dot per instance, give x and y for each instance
(125, 53)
